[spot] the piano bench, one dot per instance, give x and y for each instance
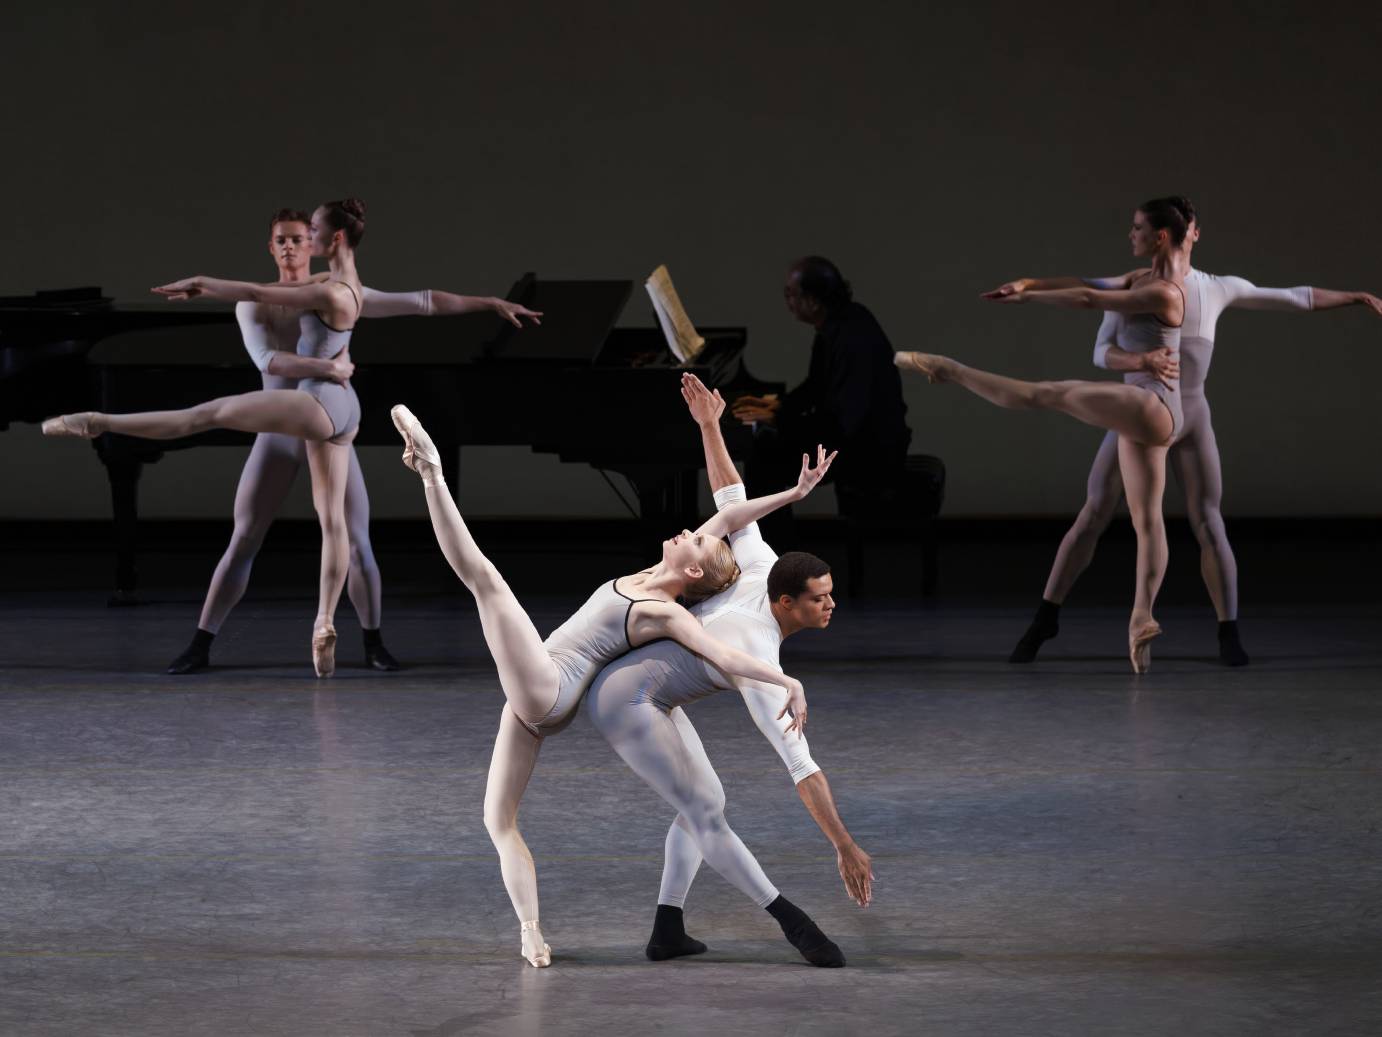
(909, 507)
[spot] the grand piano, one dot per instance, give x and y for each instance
(575, 386)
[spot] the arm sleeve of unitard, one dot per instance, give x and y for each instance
(1107, 336)
(764, 702)
(751, 552)
(396, 304)
(1245, 295)
(254, 332)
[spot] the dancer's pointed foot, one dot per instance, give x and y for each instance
(324, 649)
(82, 425)
(1140, 644)
(419, 452)
(935, 368)
(535, 949)
(803, 934)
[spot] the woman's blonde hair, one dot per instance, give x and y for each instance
(718, 572)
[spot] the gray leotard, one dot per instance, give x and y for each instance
(319, 339)
(1142, 333)
(597, 634)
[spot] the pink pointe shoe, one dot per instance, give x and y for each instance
(1140, 645)
(928, 364)
(537, 952)
(78, 426)
(419, 452)
(324, 650)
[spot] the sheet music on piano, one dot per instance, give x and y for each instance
(680, 333)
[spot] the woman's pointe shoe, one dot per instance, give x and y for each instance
(1140, 645)
(324, 650)
(929, 364)
(419, 451)
(78, 425)
(532, 940)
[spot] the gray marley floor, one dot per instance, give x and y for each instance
(1060, 849)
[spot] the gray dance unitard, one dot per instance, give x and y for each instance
(1194, 457)
(274, 463)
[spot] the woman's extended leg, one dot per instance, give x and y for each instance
(1115, 406)
(288, 411)
(515, 755)
(330, 464)
(526, 672)
(1144, 482)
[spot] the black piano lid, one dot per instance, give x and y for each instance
(577, 319)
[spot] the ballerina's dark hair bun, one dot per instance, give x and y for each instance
(348, 215)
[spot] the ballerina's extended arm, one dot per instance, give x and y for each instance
(1156, 297)
(650, 620)
(737, 516)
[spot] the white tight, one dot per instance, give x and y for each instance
(288, 412)
(665, 752)
(1143, 425)
(530, 682)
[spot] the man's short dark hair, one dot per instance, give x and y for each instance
(790, 573)
(289, 216)
(821, 280)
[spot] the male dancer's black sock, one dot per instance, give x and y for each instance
(1045, 625)
(669, 939)
(1231, 651)
(803, 934)
(377, 657)
(196, 656)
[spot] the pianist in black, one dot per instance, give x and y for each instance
(324, 413)
(852, 396)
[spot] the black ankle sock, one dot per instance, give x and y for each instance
(1231, 651)
(669, 939)
(804, 935)
(377, 657)
(196, 656)
(1045, 625)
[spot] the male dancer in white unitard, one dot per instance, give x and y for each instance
(270, 335)
(1194, 457)
(636, 704)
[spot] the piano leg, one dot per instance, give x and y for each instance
(123, 468)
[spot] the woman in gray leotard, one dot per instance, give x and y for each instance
(544, 680)
(325, 414)
(1147, 419)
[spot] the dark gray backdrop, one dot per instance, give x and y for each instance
(932, 151)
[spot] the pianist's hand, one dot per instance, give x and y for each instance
(757, 408)
(341, 367)
(512, 312)
(705, 406)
